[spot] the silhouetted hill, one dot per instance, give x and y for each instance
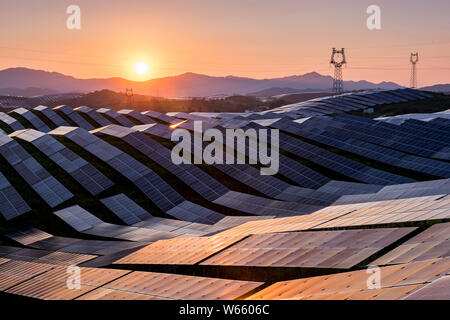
(438, 88)
(117, 101)
(184, 85)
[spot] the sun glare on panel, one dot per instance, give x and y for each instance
(141, 68)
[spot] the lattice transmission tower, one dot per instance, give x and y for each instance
(338, 60)
(414, 59)
(129, 94)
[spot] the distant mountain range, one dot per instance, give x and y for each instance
(184, 85)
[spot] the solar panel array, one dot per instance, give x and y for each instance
(74, 117)
(35, 121)
(10, 122)
(351, 193)
(315, 249)
(38, 239)
(120, 119)
(425, 144)
(48, 188)
(160, 116)
(155, 129)
(197, 179)
(263, 206)
(413, 209)
(126, 209)
(179, 251)
(372, 151)
(136, 116)
(398, 281)
(84, 221)
(349, 102)
(51, 115)
(133, 214)
(338, 163)
(155, 188)
(180, 287)
(82, 171)
(95, 116)
(52, 283)
(436, 290)
(430, 244)
(45, 256)
(11, 203)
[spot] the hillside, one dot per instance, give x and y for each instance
(438, 88)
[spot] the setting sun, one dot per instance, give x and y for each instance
(141, 68)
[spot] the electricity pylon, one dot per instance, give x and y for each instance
(129, 94)
(338, 82)
(414, 59)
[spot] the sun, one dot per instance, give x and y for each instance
(141, 68)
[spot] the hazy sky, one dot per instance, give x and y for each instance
(254, 38)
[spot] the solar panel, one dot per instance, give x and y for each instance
(136, 116)
(436, 290)
(379, 153)
(185, 251)
(96, 117)
(83, 221)
(74, 116)
(51, 115)
(155, 129)
(151, 184)
(10, 121)
(170, 286)
(160, 116)
(109, 294)
(315, 249)
(50, 190)
(430, 244)
(126, 209)
(11, 203)
(52, 285)
(32, 118)
(28, 236)
(15, 272)
(82, 171)
(191, 175)
(122, 120)
(345, 285)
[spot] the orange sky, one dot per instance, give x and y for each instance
(260, 39)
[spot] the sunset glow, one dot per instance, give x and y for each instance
(173, 126)
(227, 38)
(141, 68)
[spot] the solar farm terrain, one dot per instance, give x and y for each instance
(97, 189)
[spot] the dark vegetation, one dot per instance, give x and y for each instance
(117, 101)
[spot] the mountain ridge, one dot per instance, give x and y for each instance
(188, 84)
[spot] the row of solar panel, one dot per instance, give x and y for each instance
(420, 280)
(426, 208)
(378, 153)
(48, 188)
(314, 249)
(49, 282)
